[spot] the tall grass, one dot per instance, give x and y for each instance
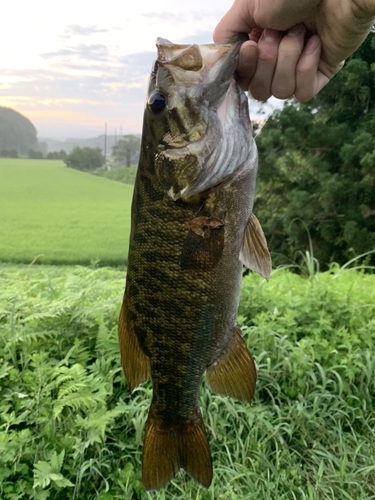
(70, 429)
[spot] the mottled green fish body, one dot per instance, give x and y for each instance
(192, 230)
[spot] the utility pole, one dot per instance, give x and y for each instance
(105, 146)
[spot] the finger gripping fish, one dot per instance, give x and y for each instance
(192, 229)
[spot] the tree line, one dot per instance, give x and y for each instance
(8, 153)
(53, 155)
(88, 159)
(316, 180)
(17, 133)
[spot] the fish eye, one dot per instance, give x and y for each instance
(158, 102)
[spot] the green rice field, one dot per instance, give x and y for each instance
(57, 215)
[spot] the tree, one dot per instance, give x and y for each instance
(56, 155)
(317, 168)
(8, 153)
(16, 132)
(86, 159)
(35, 154)
(125, 148)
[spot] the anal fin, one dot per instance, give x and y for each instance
(135, 363)
(234, 374)
(168, 448)
(254, 253)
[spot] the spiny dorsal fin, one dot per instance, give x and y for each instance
(254, 253)
(234, 374)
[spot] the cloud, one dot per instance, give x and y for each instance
(92, 52)
(87, 83)
(161, 16)
(138, 65)
(76, 29)
(203, 37)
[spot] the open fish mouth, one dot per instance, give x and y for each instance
(205, 134)
(226, 113)
(193, 57)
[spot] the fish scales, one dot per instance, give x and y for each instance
(178, 317)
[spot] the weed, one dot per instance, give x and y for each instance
(70, 429)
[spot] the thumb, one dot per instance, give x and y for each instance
(236, 20)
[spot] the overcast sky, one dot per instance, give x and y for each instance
(74, 65)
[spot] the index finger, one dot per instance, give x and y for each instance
(236, 20)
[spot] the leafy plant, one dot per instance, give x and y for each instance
(70, 429)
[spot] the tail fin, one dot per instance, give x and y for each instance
(167, 449)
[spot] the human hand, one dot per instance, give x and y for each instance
(278, 60)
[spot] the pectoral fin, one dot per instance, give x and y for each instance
(204, 244)
(254, 253)
(135, 363)
(234, 374)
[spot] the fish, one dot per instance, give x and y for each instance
(192, 230)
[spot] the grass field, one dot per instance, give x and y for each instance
(69, 429)
(59, 215)
(120, 174)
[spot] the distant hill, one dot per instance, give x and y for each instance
(93, 142)
(17, 132)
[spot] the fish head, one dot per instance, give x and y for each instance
(197, 116)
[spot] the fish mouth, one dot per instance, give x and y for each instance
(197, 69)
(207, 119)
(194, 57)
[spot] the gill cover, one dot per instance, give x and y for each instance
(198, 116)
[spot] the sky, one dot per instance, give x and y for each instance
(74, 65)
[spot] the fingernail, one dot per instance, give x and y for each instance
(312, 45)
(270, 35)
(297, 30)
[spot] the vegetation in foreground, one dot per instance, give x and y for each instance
(61, 216)
(70, 429)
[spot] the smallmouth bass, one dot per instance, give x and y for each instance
(192, 229)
